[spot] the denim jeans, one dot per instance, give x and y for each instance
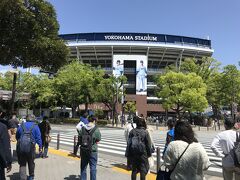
(45, 151)
(24, 159)
(2, 174)
(230, 173)
(92, 161)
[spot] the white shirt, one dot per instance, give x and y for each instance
(191, 165)
(128, 128)
(222, 144)
(80, 125)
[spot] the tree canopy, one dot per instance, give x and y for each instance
(29, 35)
(77, 83)
(182, 92)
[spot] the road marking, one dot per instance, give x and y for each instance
(62, 153)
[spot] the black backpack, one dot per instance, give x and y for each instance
(236, 151)
(25, 144)
(137, 145)
(87, 140)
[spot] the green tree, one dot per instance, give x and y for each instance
(230, 86)
(182, 92)
(204, 67)
(214, 93)
(130, 107)
(110, 91)
(41, 89)
(77, 83)
(6, 81)
(207, 68)
(29, 35)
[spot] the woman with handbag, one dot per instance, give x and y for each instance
(185, 158)
(45, 128)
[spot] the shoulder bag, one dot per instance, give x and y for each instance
(164, 174)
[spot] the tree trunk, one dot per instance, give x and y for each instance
(215, 111)
(86, 104)
(73, 111)
(113, 114)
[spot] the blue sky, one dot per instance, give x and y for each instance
(218, 19)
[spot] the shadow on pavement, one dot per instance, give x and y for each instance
(72, 177)
(73, 155)
(122, 166)
(14, 176)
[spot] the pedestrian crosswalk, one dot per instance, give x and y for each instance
(113, 142)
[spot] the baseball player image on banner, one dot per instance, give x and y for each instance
(141, 77)
(117, 68)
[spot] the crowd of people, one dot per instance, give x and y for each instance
(27, 134)
(184, 158)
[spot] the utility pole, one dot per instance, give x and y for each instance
(13, 92)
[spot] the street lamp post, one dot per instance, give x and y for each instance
(13, 92)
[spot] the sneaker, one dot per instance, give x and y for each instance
(30, 178)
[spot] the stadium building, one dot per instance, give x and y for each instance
(139, 56)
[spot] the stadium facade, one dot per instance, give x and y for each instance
(139, 56)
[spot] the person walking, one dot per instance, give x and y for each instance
(45, 128)
(131, 125)
(83, 122)
(14, 125)
(28, 134)
(150, 132)
(139, 149)
(170, 134)
(185, 157)
(222, 145)
(89, 137)
(5, 150)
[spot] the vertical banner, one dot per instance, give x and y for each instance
(141, 76)
(117, 67)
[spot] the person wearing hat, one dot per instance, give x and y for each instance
(222, 145)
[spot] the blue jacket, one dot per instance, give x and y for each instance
(84, 120)
(36, 134)
(169, 138)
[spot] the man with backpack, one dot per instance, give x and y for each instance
(139, 149)
(223, 145)
(83, 122)
(28, 134)
(89, 136)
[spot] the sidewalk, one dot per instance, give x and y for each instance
(60, 165)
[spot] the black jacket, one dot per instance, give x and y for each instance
(5, 147)
(146, 139)
(45, 128)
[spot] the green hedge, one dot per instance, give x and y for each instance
(102, 122)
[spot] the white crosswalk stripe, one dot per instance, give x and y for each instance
(114, 142)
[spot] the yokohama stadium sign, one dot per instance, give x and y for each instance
(136, 37)
(130, 38)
